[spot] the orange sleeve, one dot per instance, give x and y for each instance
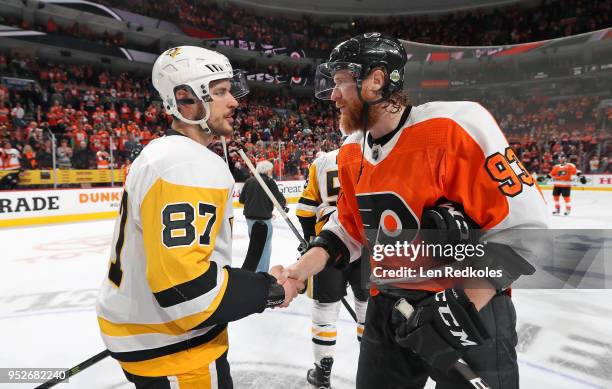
(574, 170)
(467, 180)
(483, 173)
(554, 171)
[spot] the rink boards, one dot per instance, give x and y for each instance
(31, 207)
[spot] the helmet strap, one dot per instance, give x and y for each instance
(205, 128)
(366, 103)
(224, 144)
(364, 116)
(364, 120)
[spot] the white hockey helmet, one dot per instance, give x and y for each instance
(194, 68)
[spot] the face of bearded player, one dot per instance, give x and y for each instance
(347, 100)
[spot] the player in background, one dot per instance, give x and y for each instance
(163, 309)
(317, 203)
(397, 165)
(563, 174)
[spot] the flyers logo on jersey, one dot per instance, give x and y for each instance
(386, 218)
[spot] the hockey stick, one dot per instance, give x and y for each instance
(460, 367)
(257, 242)
(76, 369)
(271, 197)
(286, 217)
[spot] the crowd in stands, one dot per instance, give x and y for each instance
(90, 112)
(479, 27)
(541, 129)
(118, 111)
(76, 30)
(281, 72)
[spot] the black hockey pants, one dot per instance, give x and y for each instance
(383, 364)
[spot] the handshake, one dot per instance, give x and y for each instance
(290, 283)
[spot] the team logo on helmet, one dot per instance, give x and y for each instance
(174, 52)
(394, 76)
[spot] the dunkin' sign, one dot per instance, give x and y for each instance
(41, 206)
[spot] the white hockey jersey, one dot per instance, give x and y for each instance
(322, 188)
(166, 277)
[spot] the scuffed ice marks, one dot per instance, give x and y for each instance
(258, 375)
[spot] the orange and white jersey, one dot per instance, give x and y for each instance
(563, 174)
(443, 150)
(103, 160)
(166, 274)
(11, 159)
(321, 189)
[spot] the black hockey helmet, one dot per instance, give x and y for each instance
(360, 55)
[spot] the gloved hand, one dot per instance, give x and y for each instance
(440, 327)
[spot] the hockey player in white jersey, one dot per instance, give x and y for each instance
(170, 292)
(317, 203)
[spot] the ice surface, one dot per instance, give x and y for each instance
(50, 276)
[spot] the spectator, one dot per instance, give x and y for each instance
(11, 157)
(594, 164)
(81, 156)
(606, 166)
(64, 155)
(28, 158)
(257, 206)
(17, 113)
(4, 113)
(103, 160)
(44, 156)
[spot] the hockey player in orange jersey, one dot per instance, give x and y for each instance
(443, 164)
(563, 174)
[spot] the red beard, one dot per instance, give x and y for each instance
(351, 119)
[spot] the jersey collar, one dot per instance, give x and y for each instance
(387, 137)
(377, 150)
(172, 131)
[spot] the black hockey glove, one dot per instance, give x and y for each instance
(583, 179)
(440, 328)
(447, 223)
